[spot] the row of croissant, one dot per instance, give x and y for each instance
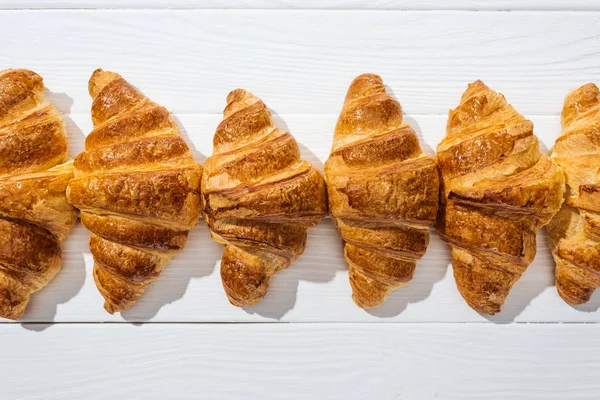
(138, 190)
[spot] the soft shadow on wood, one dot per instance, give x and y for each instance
(430, 269)
(319, 263)
(70, 279)
(65, 285)
(413, 123)
(321, 260)
(305, 152)
(591, 306)
(196, 260)
(536, 279)
(198, 157)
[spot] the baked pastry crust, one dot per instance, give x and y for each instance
(575, 231)
(34, 214)
(138, 189)
(259, 197)
(497, 190)
(383, 191)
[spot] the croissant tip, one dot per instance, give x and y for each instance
(238, 94)
(10, 315)
(476, 83)
(366, 305)
(573, 294)
(99, 79)
(369, 77)
(238, 302)
(109, 308)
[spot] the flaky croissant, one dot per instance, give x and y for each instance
(34, 214)
(138, 189)
(575, 230)
(383, 191)
(498, 189)
(259, 197)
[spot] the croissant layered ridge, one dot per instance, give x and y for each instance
(34, 214)
(575, 231)
(138, 189)
(383, 191)
(259, 197)
(497, 191)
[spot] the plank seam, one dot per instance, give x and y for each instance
(300, 322)
(282, 9)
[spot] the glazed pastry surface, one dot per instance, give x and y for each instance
(34, 214)
(259, 197)
(383, 191)
(575, 231)
(497, 190)
(138, 189)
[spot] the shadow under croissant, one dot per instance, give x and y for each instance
(283, 288)
(536, 279)
(198, 157)
(196, 260)
(70, 279)
(66, 284)
(430, 269)
(321, 244)
(591, 306)
(305, 152)
(413, 123)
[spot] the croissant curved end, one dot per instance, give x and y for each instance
(498, 190)
(137, 186)
(575, 231)
(259, 197)
(99, 80)
(383, 191)
(35, 214)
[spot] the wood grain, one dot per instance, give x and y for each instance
(502, 5)
(316, 287)
(300, 57)
(302, 61)
(301, 361)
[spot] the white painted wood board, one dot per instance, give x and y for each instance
(315, 287)
(475, 5)
(301, 361)
(300, 56)
(300, 63)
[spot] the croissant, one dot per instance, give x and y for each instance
(498, 189)
(383, 191)
(575, 230)
(138, 189)
(259, 198)
(34, 214)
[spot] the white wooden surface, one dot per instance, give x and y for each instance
(300, 56)
(300, 361)
(315, 288)
(498, 5)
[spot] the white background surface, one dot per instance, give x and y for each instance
(299, 57)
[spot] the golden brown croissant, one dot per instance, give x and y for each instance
(575, 230)
(34, 214)
(259, 197)
(138, 189)
(498, 189)
(383, 191)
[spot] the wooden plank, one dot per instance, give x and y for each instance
(316, 287)
(503, 5)
(301, 361)
(302, 61)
